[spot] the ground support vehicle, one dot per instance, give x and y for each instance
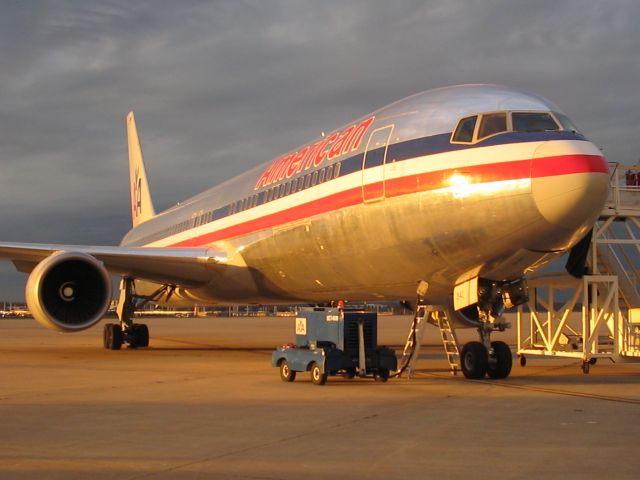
(333, 341)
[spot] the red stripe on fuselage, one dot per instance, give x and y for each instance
(394, 187)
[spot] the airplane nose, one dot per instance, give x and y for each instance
(569, 183)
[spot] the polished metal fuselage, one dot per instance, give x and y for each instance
(496, 210)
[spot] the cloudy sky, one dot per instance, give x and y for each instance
(220, 86)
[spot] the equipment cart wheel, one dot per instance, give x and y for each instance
(286, 374)
(500, 362)
(585, 367)
(474, 360)
(523, 361)
(317, 377)
(382, 375)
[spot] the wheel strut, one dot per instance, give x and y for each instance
(136, 335)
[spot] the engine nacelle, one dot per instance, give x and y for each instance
(68, 291)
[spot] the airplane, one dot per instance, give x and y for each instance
(451, 195)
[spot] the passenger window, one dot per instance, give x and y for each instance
(533, 122)
(464, 132)
(492, 123)
(336, 170)
(329, 172)
(322, 174)
(314, 179)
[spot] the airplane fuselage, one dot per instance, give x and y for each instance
(401, 195)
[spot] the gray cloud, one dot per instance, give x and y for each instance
(220, 86)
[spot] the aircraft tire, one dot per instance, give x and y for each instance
(286, 374)
(501, 368)
(317, 377)
(474, 360)
(112, 336)
(140, 333)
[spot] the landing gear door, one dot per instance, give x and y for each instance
(465, 293)
(374, 164)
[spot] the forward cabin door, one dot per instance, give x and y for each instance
(374, 164)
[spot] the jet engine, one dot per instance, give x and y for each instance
(68, 291)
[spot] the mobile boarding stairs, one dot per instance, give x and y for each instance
(597, 316)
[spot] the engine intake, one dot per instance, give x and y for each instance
(68, 291)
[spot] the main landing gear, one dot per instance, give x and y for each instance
(136, 335)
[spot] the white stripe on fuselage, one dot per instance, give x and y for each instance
(493, 154)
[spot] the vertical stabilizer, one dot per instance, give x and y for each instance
(141, 204)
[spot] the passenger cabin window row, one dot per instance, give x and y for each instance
(475, 128)
(303, 182)
(292, 186)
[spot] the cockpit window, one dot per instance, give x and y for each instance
(533, 122)
(492, 123)
(478, 127)
(464, 132)
(566, 123)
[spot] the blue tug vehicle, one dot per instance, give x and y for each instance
(335, 341)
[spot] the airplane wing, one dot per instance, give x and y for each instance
(187, 267)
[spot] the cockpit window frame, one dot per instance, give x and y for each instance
(456, 131)
(562, 126)
(481, 124)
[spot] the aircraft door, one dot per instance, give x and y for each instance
(374, 164)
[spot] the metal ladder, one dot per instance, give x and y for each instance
(429, 314)
(449, 342)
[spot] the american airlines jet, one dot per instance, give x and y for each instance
(463, 189)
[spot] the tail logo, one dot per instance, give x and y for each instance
(137, 194)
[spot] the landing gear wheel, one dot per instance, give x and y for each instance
(286, 374)
(112, 336)
(500, 362)
(382, 375)
(474, 359)
(317, 377)
(139, 333)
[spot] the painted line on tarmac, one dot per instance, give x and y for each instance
(551, 391)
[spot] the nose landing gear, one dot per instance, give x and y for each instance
(485, 357)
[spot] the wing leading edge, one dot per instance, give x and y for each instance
(188, 267)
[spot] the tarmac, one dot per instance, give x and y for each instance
(203, 401)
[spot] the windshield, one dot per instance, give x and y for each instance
(478, 127)
(533, 122)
